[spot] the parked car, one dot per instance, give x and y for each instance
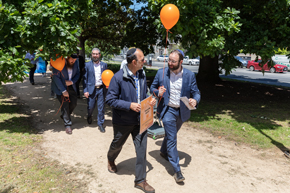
(252, 65)
(243, 62)
(162, 58)
(194, 61)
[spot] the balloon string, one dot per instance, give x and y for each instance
(159, 97)
(63, 99)
(165, 54)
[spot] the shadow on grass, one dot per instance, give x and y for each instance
(262, 107)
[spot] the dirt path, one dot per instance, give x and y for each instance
(209, 164)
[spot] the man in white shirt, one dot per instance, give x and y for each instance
(94, 88)
(169, 85)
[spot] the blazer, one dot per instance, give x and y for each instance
(189, 89)
(59, 77)
(121, 93)
(89, 76)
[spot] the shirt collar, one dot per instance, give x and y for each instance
(180, 73)
(97, 64)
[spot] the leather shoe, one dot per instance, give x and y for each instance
(178, 177)
(102, 129)
(145, 187)
(112, 167)
(68, 130)
(90, 120)
(164, 156)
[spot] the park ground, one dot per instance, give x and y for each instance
(209, 161)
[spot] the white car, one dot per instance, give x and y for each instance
(162, 58)
(194, 61)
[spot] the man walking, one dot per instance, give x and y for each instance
(170, 85)
(94, 88)
(64, 86)
(127, 89)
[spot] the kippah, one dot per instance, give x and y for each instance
(131, 52)
(74, 55)
(180, 52)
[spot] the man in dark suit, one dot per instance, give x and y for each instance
(63, 85)
(94, 88)
(170, 84)
(127, 89)
(81, 67)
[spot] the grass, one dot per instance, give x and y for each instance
(261, 119)
(23, 168)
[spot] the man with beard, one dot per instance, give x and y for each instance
(63, 85)
(169, 85)
(94, 88)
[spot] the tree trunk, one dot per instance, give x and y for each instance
(82, 46)
(208, 70)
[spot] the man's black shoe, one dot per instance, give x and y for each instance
(102, 129)
(90, 120)
(178, 177)
(164, 156)
(32, 83)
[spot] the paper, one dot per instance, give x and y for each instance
(146, 114)
(185, 100)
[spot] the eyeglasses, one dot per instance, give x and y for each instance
(141, 60)
(95, 53)
(172, 61)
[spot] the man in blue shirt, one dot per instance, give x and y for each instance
(31, 57)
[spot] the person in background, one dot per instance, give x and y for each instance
(81, 67)
(64, 86)
(94, 88)
(31, 57)
(127, 89)
(170, 84)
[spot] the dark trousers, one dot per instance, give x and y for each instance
(97, 96)
(68, 105)
(172, 123)
(121, 133)
(78, 84)
(31, 74)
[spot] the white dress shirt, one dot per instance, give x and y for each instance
(175, 89)
(69, 71)
(98, 74)
(137, 85)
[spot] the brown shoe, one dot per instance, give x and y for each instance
(112, 167)
(145, 187)
(68, 130)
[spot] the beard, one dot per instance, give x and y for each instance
(95, 59)
(174, 67)
(69, 65)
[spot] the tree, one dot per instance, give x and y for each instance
(213, 28)
(62, 27)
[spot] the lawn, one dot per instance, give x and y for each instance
(23, 168)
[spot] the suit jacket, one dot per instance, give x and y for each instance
(189, 89)
(59, 77)
(89, 76)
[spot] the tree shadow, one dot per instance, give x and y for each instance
(127, 167)
(258, 105)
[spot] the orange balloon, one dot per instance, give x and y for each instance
(107, 75)
(58, 63)
(169, 15)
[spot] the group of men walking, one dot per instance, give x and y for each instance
(127, 89)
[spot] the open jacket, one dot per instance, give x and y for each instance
(189, 89)
(121, 93)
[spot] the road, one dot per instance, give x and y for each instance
(243, 74)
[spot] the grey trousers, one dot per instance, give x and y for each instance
(121, 133)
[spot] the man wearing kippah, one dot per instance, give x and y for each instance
(64, 86)
(170, 84)
(127, 89)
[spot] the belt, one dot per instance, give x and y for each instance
(101, 86)
(174, 107)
